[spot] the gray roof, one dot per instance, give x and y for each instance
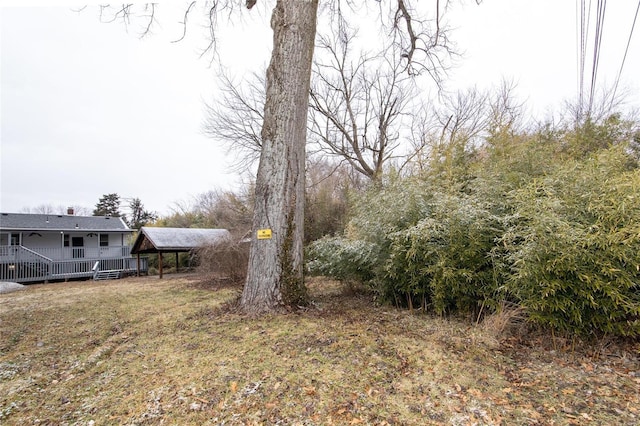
(154, 240)
(57, 222)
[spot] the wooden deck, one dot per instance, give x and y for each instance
(21, 264)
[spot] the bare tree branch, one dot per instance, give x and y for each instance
(505, 113)
(212, 25)
(123, 13)
(147, 17)
(357, 102)
(235, 118)
(403, 13)
(150, 17)
(424, 49)
(184, 22)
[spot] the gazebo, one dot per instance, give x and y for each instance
(175, 240)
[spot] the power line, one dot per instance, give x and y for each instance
(579, 43)
(583, 23)
(626, 50)
(597, 47)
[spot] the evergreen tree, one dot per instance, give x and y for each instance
(108, 205)
(139, 216)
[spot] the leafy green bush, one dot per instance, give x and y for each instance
(342, 259)
(416, 246)
(445, 260)
(575, 254)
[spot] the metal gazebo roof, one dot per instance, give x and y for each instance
(173, 240)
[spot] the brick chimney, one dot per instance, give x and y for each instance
(70, 211)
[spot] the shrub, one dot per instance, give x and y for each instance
(343, 259)
(445, 260)
(359, 256)
(575, 254)
(227, 260)
(382, 211)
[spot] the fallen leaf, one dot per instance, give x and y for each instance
(475, 392)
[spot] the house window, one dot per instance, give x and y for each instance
(104, 240)
(66, 240)
(15, 239)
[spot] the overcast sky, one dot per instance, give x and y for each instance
(89, 108)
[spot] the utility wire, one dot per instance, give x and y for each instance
(624, 58)
(579, 32)
(584, 21)
(597, 47)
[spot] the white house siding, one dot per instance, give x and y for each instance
(45, 241)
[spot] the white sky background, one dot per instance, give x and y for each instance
(89, 108)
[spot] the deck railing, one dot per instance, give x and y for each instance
(21, 264)
(69, 253)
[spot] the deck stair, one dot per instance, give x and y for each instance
(107, 274)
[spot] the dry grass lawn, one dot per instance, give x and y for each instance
(147, 351)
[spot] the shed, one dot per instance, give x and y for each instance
(175, 240)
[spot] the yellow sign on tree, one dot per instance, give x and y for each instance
(264, 234)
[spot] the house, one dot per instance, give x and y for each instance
(43, 247)
(176, 240)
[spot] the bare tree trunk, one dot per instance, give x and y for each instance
(275, 276)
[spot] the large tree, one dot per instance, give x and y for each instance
(275, 276)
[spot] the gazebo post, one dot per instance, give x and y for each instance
(177, 263)
(138, 264)
(160, 264)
